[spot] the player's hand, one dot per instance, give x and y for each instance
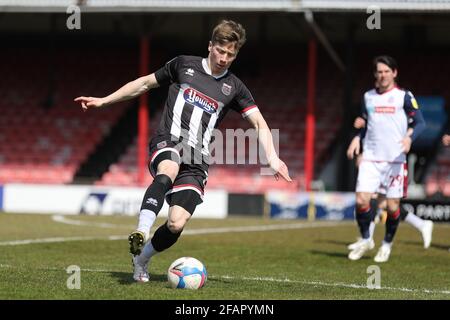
(406, 144)
(353, 148)
(281, 170)
(359, 123)
(446, 140)
(90, 102)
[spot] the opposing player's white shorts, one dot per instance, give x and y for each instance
(384, 177)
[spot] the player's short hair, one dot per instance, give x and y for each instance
(229, 31)
(387, 60)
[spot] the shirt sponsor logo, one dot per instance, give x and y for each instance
(384, 109)
(198, 99)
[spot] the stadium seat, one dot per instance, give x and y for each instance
(60, 136)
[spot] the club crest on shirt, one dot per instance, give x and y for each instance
(226, 89)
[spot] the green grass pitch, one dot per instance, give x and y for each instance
(292, 259)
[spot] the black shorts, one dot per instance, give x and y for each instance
(191, 176)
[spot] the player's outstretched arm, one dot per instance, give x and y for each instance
(354, 147)
(130, 90)
(266, 140)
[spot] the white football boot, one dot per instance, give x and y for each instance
(427, 233)
(383, 253)
(140, 270)
(360, 250)
(356, 244)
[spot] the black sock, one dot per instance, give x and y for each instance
(403, 212)
(392, 223)
(154, 196)
(364, 217)
(164, 238)
(374, 209)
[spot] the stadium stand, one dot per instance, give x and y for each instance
(438, 178)
(44, 136)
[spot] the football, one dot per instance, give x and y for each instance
(187, 273)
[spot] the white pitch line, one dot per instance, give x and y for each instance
(186, 232)
(65, 220)
(52, 240)
(270, 279)
(337, 284)
(262, 228)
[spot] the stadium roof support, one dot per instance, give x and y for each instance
(224, 5)
(310, 127)
(143, 116)
(323, 40)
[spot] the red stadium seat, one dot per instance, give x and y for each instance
(35, 135)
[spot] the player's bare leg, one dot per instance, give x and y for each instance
(392, 222)
(152, 203)
(165, 236)
(363, 217)
(380, 200)
(425, 227)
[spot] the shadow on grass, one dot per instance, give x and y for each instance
(125, 278)
(336, 242)
(335, 254)
(444, 247)
(412, 243)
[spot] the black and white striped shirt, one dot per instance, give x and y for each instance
(197, 101)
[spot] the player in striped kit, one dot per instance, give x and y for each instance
(393, 121)
(201, 92)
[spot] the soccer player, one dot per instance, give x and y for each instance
(201, 92)
(425, 227)
(386, 141)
